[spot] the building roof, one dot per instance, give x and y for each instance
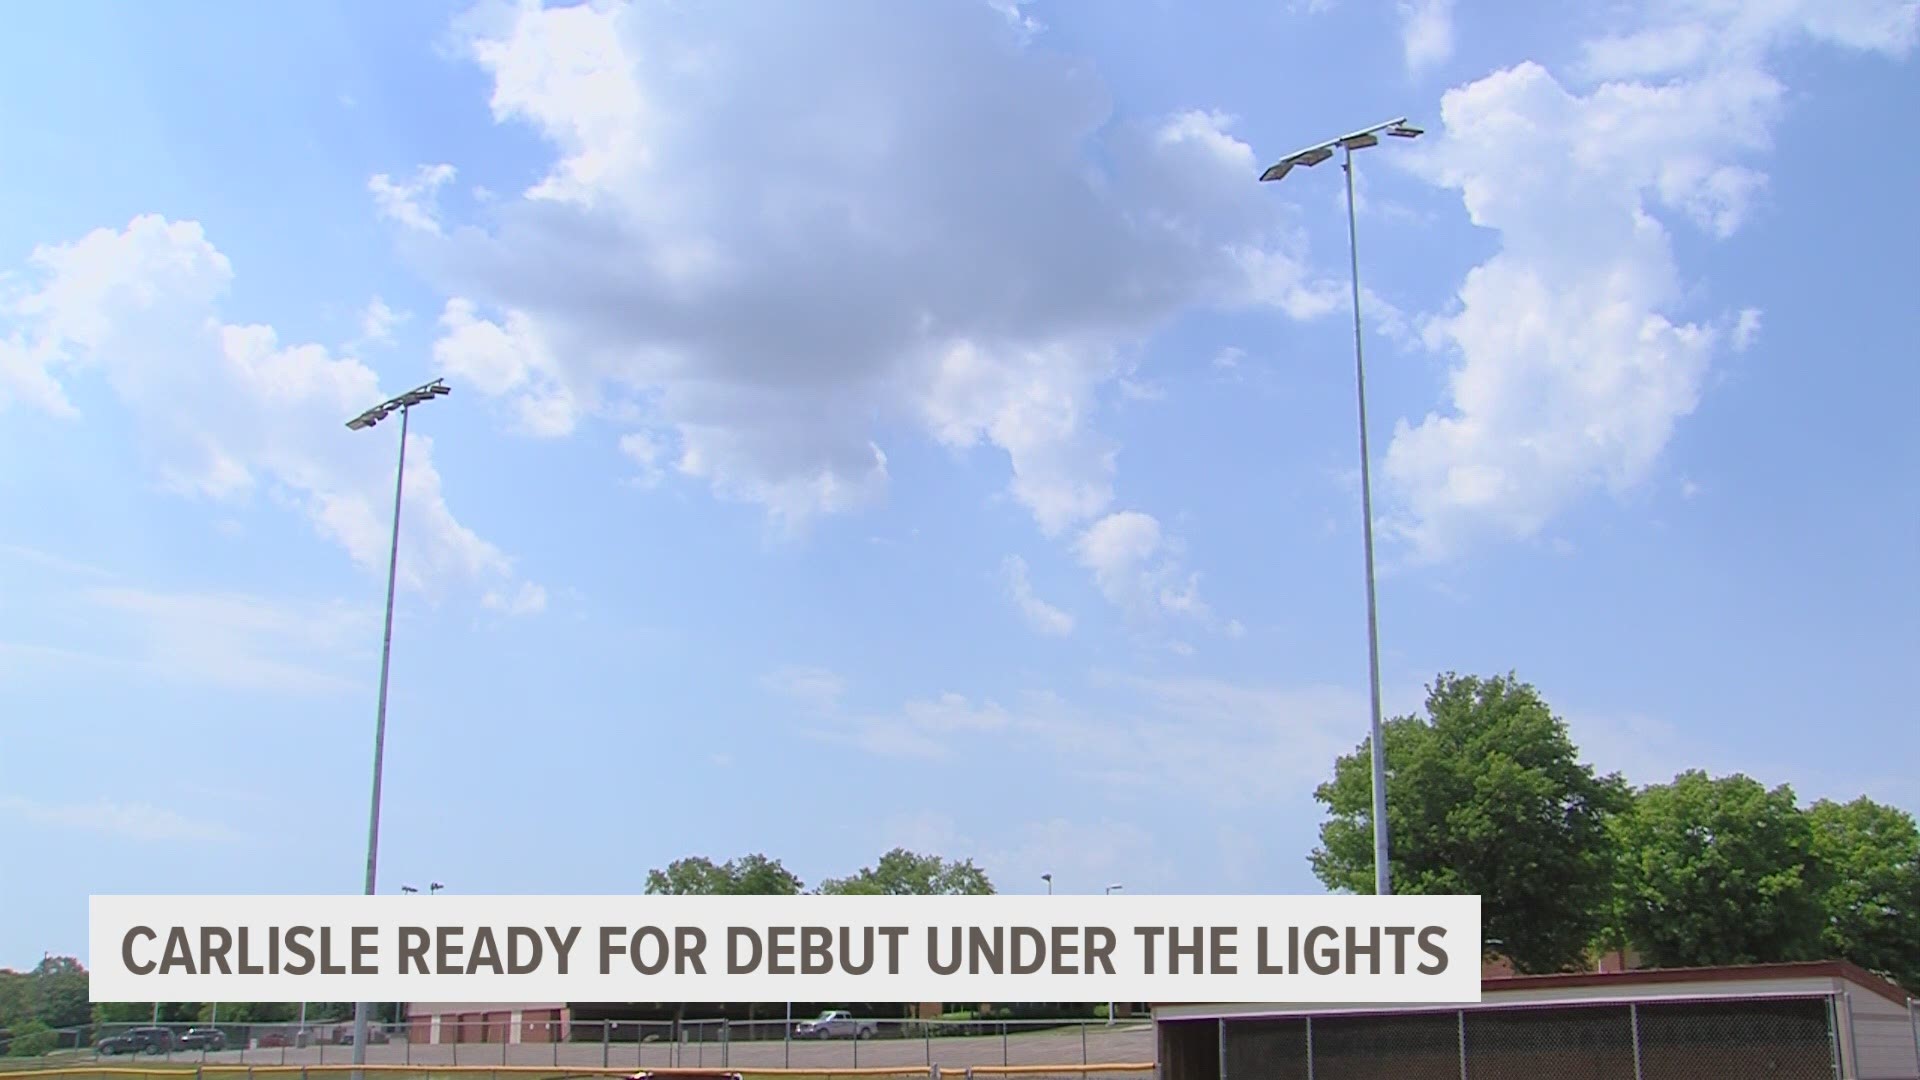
(1621, 984)
(1812, 969)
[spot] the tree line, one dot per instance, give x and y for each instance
(53, 996)
(1487, 795)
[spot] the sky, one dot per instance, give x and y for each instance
(885, 424)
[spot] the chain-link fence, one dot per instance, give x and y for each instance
(1782, 1038)
(533, 1038)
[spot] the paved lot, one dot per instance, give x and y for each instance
(1126, 1043)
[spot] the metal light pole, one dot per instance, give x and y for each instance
(1111, 1006)
(1048, 878)
(404, 405)
(1314, 155)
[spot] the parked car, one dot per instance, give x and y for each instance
(343, 1035)
(835, 1024)
(203, 1038)
(150, 1040)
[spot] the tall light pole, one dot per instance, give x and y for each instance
(1314, 155)
(1048, 878)
(1112, 1006)
(404, 406)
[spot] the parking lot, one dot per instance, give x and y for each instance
(1094, 1043)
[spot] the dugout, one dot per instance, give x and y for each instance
(1813, 1021)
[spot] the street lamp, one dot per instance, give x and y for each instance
(1048, 878)
(1112, 1006)
(404, 406)
(435, 887)
(1314, 155)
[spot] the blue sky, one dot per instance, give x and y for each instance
(911, 424)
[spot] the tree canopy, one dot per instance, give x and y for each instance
(905, 873)
(1872, 900)
(1719, 871)
(751, 875)
(1485, 794)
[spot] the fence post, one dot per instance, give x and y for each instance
(1913, 1021)
(1004, 1059)
(1083, 1043)
(1310, 1049)
(1833, 1034)
(726, 1041)
(1853, 1034)
(926, 1035)
(1461, 1015)
(1633, 1022)
(1220, 1033)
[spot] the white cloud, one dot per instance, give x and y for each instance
(1426, 33)
(1140, 570)
(814, 686)
(1229, 358)
(528, 599)
(226, 410)
(237, 641)
(647, 451)
(232, 641)
(412, 202)
(773, 330)
(1746, 330)
(126, 820)
(377, 323)
(59, 564)
(1683, 36)
(1572, 364)
(507, 357)
(925, 728)
(1236, 744)
(1042, 616)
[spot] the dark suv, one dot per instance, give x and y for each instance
(151, 1040)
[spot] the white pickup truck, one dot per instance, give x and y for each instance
(835, 1024)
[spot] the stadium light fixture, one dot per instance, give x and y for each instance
(404, 406)
(1399, 128)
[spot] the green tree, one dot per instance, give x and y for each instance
(32, 1038)
(1871, 854)
(130, 1012)
(60, 996)
(1485, 795)
(1719, 872)
(904, 873)
(752, 875)
(16, 998)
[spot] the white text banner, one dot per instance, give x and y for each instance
(1169, 949)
